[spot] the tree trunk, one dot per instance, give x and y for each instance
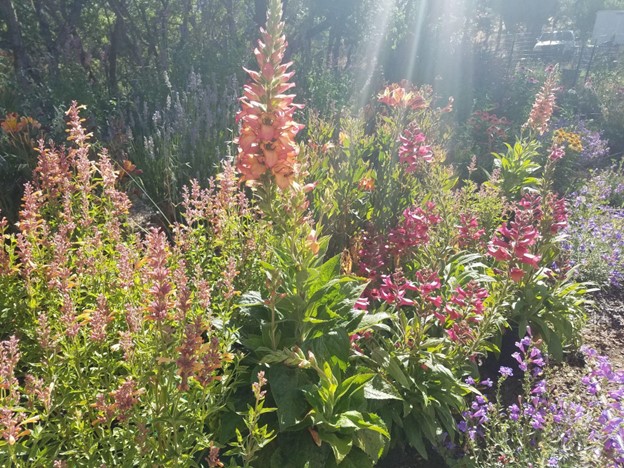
(23, 67)
(115, 42)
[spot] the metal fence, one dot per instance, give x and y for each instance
(577, 65)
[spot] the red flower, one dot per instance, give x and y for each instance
(413, 150)
(414, 230)
(516, 274)
(469, 232)
(513, 243)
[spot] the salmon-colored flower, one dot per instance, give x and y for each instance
(267, 136)
(367, 184)
(544, 105)
(13, 123)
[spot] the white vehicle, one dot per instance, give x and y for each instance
(556, 43)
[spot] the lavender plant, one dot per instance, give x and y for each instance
(182, 138)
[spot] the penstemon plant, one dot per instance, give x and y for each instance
(545, 427)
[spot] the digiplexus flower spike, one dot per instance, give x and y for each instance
(267, 135)
(544, 104)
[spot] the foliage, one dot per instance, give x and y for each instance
(18, 158)
(517, 168)
(119, 344)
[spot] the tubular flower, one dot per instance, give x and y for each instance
(373, 256)
(513, 242)
(414, 229)
(556, 152)
(544, 105)
(267, 130)
(469, 233)
(413, 150)
(558, 212)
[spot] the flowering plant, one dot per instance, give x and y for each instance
(546, 426)
(266, 142)
(115, 347)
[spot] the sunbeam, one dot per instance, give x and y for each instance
(378, 27)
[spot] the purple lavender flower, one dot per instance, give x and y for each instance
(539, 388)
(462, 426)
(520, 358)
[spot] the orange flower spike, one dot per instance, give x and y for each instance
(266, 141)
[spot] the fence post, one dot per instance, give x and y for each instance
(578, 64)
(511, 52)
(589, 64)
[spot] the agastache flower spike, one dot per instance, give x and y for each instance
(267, 130)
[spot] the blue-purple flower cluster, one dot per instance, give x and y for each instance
(607, 385)
(556, 428)
(595, 147)
(595, 239)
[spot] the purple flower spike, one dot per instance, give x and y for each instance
(540, 388)
(462, 426)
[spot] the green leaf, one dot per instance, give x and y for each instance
(415, 437)
(297, 450)
(377, 389)
(352, 385)
(333, 346)
(285, 385)
(372, 443)
(371, 320)
(340, 445)
(251, 298)
(356, 459)
(324, 274)
(369, 421)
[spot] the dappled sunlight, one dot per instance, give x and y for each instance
(393, 263)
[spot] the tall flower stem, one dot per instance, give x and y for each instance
(266, 142)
